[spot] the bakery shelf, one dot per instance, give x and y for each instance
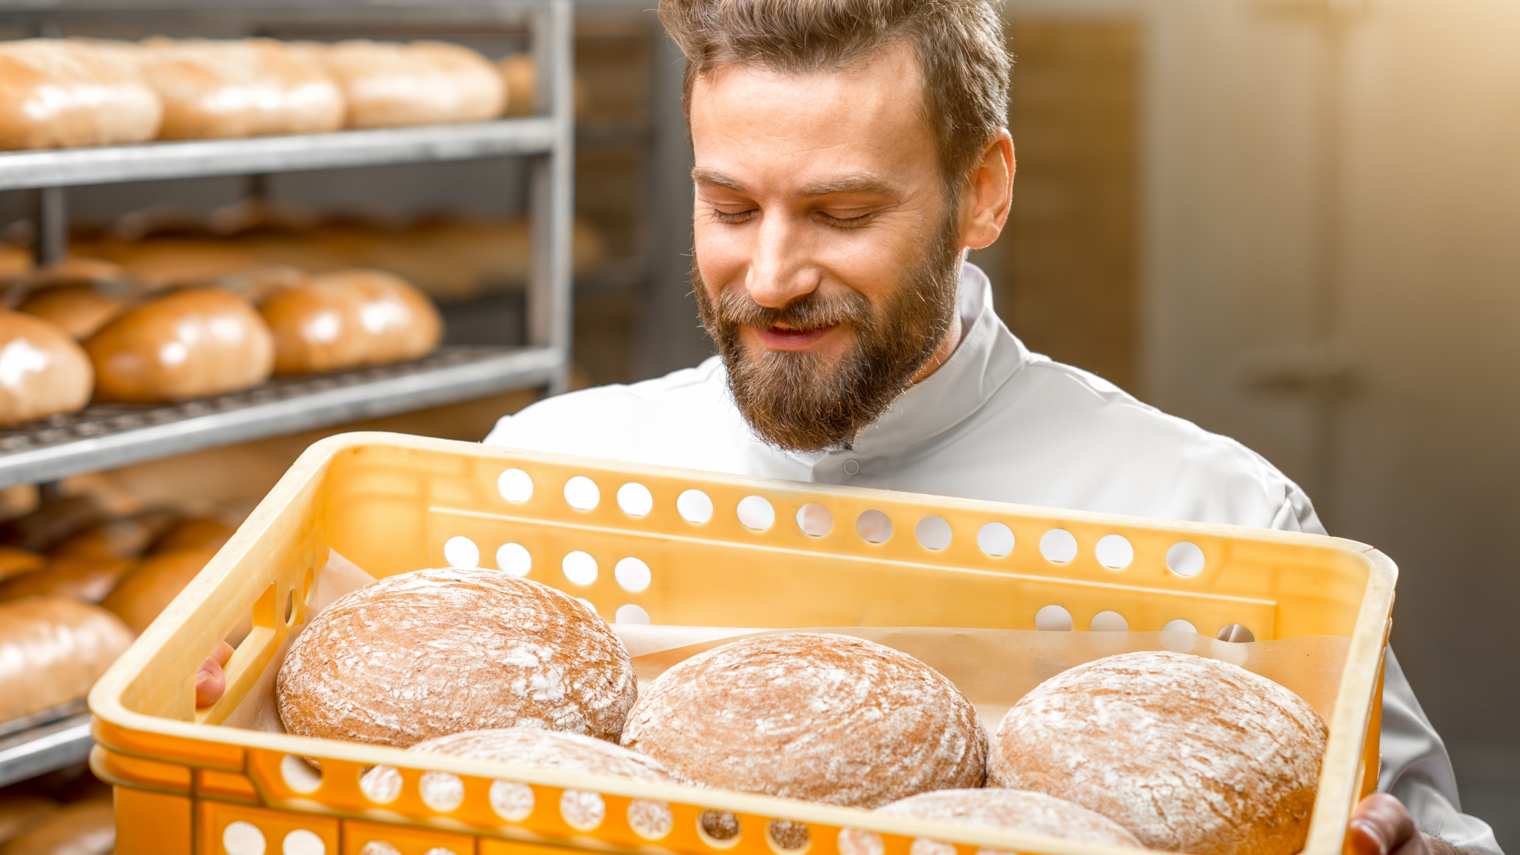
(22, 170)
(51, 745)
(107, 436)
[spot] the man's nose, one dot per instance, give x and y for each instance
(779, 271)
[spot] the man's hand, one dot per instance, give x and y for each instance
(211, 680)
(1381, 825)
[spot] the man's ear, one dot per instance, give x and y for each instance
(990, 194)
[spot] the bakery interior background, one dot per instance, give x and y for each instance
(1292, 221)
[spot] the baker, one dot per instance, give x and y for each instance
(848, 153)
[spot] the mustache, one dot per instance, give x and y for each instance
(736, 308)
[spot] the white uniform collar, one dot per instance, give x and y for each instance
(986, 358)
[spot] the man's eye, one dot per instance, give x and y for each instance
(846, 222)
(731, 217)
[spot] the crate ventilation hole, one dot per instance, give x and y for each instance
(244, 838)
(380, 847)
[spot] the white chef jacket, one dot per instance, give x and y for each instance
(1000, 423)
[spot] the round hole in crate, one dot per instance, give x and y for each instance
(925, 846)
(1179, 625)
(381, 785)
(242, 838)
(514, 485)
(290, 606)
(460, 551)
(1058, 546)
(785, 835)
(300, 775)
(815, 520)
(441, 791)
(1236, 633)
(582, 493)
(854, 841)
(379, 847)
(1108, 622)
(932, 533)
(579, 568)
(719, 828)
(632, 574)
(650, 820)
(440, 850)
(1053, 619)
(631, 614)
(995, 539)
(1185, 559)
(514, 558)
(582, 811)
(303, 842)
(873, 526)
(694, 506)
(511, 800)
(635, 499)
(1114, 552)
(756, 514)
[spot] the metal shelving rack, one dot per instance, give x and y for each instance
(102, 437)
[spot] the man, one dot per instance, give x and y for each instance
(847, 153)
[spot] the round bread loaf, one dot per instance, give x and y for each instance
(1189, 754)
(1003, 810)
(349, 319)
(239, 88)
(52, 650)
(150, 586)
(186, 344)
(433, 652)
(825, 718)
(45, 373)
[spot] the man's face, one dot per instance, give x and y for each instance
(827, 257)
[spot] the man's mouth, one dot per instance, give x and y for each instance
(786, 338)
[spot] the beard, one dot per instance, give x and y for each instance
(804, 401)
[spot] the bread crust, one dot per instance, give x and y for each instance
(349, 319)
(388, 84)
(1003, 810)
(63, 93)
(812, 716)
(1189, 754)
(153, 583)
(52, 650)
(433, 652)
(214, 89)
(45, 370)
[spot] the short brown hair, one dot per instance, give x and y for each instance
(959, 45)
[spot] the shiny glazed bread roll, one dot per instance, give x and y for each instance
(825, 718)
(19, 562)
(348, 319)
(58, 93)
(194, 533)
(149, 587)
(42, 370)
(52, 650)
(388, 85)
(239, 88)
(85, 827)
(187, 344)
(1189, 754)
(78, 310)
(87, 579)
(122, 537)
(995, 809)
(451, 650)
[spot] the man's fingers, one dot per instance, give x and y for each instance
(211, 679)
(222, 653)
(1380, 826)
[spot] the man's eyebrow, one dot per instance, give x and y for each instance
(702, 175)
(863, 183)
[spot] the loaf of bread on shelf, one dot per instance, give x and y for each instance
(186, 344)
(87, 579)
(350, 319)
(450, 650)
(520, 76)
(153, 583)
(389, 84)
(994, 809)
(62, 93)
(123, 537)
(86, 827)
(162, 262)
(45, 370)
(52, 650)
(811, 716)
(18, 562)
(193, 533)
(78, 310)
(213, 89)
(1190, 754)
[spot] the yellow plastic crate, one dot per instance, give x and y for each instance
(390, 503)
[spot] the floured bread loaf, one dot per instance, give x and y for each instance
(433, 652)
(1003, 810)
(824, 718)
(388, 85)
(1189, 754)
(537, 749)
(60, 93)
(239, 88)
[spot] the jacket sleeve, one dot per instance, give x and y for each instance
(1416, 768)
